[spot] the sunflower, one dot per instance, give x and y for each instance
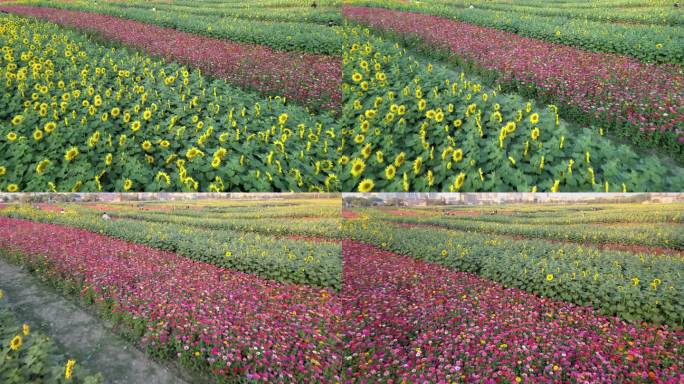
(12, 188)
(164, 144)
(535, 133)
(379, 157)
(366, 185)
(37, 135)
(357, 77)
(11, 136)
(115, 112)
(71, 154)
(417, 164)
(457, 155)
(147, 114)
(458, 183)
(16, 343)
(108, 159)
(510, 127)
(357, 167)
(25, 329)
(16, 120)
(399, 160)
(40, 168)
(50, 126)
(390, 172)
(365, 125)
(549, 277)
(128, 183)
(358, 139)
(458, 123)
(422, 104)
(534, 118)
(343, 160)
(69, 369)
(3, 170)
(146, 145)
(135, 126)
(282, 119)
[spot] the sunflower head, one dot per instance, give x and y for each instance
(366, 185)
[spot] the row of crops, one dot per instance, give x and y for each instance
(82, 113)
(413, 303)
(649, 31)
(259, 247)
(283, 27)
(637, 286)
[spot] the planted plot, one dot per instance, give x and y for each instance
(636, 286)
(280, 259)
(416, 126)
(80, 116)
(639, 102)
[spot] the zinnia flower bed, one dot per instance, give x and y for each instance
(221, 321)
(308, 78)
(644, 102)
(423, 323)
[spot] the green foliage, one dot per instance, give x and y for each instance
(647, 42)
(266, 256)
(263, 28)
(635, 287)
(37, 359)
(421, 127)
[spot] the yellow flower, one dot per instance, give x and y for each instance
(40, 168)
(16, 120)
(635, 280)
(69, 369)
(12, 188)
(229, 253)
(444, 252)
(357, 77)
(366, 185)
(146, 145)
(390, 172)
(343, 160)
(458, 123)
(535, 133)
(510, 127)
(358, 165)
(3, 170)
(164, 144)
(458, 183)
(115, 112)
(457, 155)
(147, 114)
(282, 119)
(358, 139)
(50, 126)
(71, 153)
(135, 126)
(549, 277)
(518, 379)
(11, 136)
(534, 118)
(37, 135)
(659, 46)
(399, 160)
(128, 183)
(16, 343)
(25, 329)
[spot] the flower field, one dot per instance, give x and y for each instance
(87, 117)
(412, 304)
(419, 127)
(623, 268)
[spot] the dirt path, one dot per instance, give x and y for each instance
(85, 337)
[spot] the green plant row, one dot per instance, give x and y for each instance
(79, 116)
(631, 286)
(302, 14)
(272, 258)
(646, 234)
(285, 36)
(419, 127)
(323, 227)
(650, 43)
(28, 356)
